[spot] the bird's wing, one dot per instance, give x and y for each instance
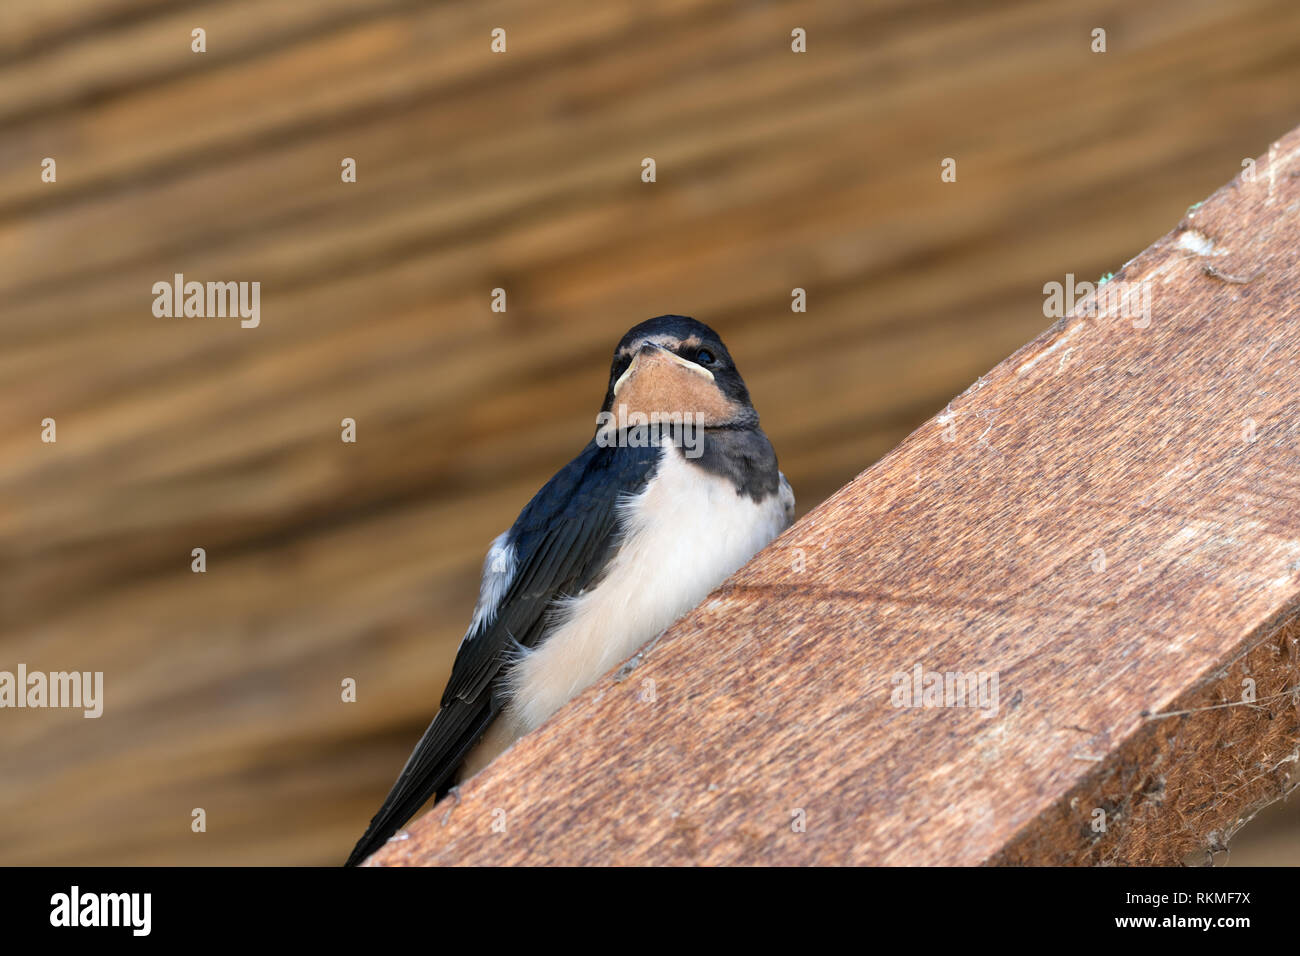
(787, 498)
(559, 545)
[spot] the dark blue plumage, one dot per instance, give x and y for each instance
(563, 540)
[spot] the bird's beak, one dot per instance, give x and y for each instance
(654, 360)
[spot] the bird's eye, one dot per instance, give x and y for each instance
(704, 357)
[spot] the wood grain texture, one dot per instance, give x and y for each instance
(1109, 520)
(476, 171)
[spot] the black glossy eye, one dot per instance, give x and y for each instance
(704, 357)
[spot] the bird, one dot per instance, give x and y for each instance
(676, 490)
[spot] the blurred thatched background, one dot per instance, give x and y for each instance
(478, 170)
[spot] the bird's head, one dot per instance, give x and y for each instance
(675, 365)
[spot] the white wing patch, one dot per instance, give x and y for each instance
(498, 571)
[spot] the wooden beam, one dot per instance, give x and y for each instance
(1107, 524)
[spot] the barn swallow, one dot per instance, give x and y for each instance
(675, 491)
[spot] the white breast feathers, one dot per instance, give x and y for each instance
(682, 536)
